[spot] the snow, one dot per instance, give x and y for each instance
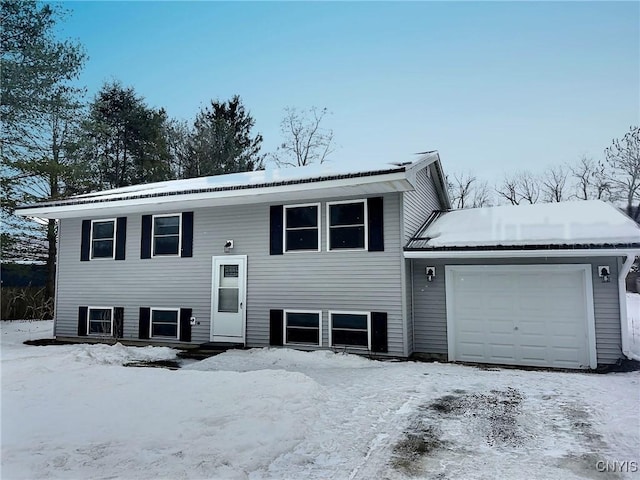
(259, 177)
(74, 412)
(579, 222)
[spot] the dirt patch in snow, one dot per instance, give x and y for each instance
(494, 414)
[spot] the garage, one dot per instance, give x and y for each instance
(535, 315)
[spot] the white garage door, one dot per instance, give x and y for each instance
(538, 315)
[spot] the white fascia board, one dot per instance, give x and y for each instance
(391, 182)
(591, 252)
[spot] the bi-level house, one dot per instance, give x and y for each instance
(344, 258)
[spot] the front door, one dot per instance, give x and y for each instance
(228, 298)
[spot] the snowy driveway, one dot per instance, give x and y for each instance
(75, 412)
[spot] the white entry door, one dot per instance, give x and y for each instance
(228, 298)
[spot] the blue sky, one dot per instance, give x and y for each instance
(495, 87)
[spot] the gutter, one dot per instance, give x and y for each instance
(622, 293)
(579, 252)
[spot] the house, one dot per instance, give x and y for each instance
(338, 257)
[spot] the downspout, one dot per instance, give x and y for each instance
(624, 322)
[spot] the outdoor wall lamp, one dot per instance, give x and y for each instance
(605, 273)
(228, 245)
(431, 273)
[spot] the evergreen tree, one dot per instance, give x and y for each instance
(222, 141)
(124, 139)
(39, 107)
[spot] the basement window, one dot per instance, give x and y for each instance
(350, 329)
(100, 321)
(302, 327)
(165, 323)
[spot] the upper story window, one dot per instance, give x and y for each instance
(103, 234)
(347, 225)
(166, 235)
(302, 227)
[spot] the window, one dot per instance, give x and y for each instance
(350, 329)
(347, 223)
(103, 234)
(301, 227)
(302, 327)
(100, 321)
(165, 322)
(166, 235)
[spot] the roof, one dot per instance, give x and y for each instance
(578, 224)
(324, 180)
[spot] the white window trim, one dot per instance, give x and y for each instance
(153, 236)
(349, 312)
(115, 236)
(284, 227)
(365, 202)
(163, 309)
(111, 309)
(284, 327)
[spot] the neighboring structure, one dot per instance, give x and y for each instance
(320, 257)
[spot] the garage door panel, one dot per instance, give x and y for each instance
(522, 315)
(500, 352)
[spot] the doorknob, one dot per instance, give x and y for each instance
(240, 305)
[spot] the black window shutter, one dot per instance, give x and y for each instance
(82, 321)
(145, 318)
(275, 244)
(145, 237)
(118, 322)
(187, 234)
(275, 327)
(185, 324)
(121, 237)
(376, 224)
(379, 332)
(85, 244)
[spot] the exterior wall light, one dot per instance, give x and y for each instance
(605, 273)
(431, 273)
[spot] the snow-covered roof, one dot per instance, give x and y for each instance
(586, 224)
(327, 179)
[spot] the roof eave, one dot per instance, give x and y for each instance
(394, 181)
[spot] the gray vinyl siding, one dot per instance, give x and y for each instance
(355, 281)
(430, 316)
(419, 203)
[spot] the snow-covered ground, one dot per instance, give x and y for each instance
(75, 412)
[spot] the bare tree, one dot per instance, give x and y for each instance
(529, 187)
(623, 158)
(305, 140)
(590, 180)
(466, 191)
(521, 187)
(554, 181)
(460, 188)
(509, 190)
(482, 196)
